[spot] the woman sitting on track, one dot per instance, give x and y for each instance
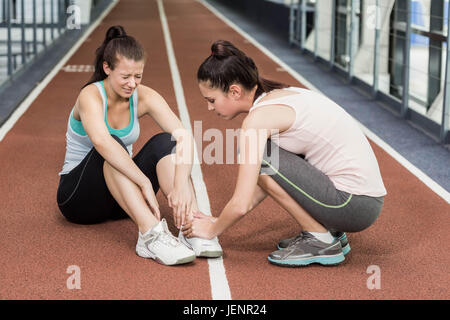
(100, 180)
(321, 168)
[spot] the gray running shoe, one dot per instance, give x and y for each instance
(342, 237)
(307, 249)
(337, 234)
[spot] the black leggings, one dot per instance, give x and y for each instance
(83, 196)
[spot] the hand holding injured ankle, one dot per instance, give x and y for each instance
(200, 226)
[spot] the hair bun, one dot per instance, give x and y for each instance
(222, 49)
(115, 32)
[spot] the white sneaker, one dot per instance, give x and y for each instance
(159, 244)
(203, 247)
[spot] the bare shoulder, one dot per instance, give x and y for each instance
(146, 93)
(90, 93)
(149, 100)
(274, 116)
(278, 93)
(88, 98)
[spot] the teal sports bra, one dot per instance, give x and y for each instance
(78, 143)
(77, 126)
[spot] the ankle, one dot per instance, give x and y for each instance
(326, 237)
(144, 228)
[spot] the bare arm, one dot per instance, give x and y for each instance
(159, 110)
(256, 129)
(91, 114)
(243, 199)
(180, 199)
(258, 196)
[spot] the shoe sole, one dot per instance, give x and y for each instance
(205, 253)
(346, 249)
(143, 253)
(323, 260)
(209, 254)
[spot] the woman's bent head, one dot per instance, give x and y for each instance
(229, 80)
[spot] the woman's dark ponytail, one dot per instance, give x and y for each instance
(266, 85)
(227, 65)
(116, 42)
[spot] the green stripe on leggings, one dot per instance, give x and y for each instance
(307, 195)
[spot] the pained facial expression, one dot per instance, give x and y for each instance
(224, 104)
(126, 76)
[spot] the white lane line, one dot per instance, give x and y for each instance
(433, 185)
(23, 107)
(218, 279)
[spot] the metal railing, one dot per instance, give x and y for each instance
(397, 49)
(28, 28)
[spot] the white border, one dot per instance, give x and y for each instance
(434, 186)
(220, 289)
(23, 107)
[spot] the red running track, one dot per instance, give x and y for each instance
(408, 242)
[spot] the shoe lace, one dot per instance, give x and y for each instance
(302, 237)
(167, 238)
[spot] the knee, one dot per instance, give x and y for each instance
(271, 186)
(265, 182)
(164, 143)
(262, 180)
(164, 140)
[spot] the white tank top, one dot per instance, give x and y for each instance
(331, 141)
(78, 143)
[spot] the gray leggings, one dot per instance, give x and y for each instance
(336, 210)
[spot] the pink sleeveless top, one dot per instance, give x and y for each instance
(331, 141)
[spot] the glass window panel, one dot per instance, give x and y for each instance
(420, 14)
(418, 77)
